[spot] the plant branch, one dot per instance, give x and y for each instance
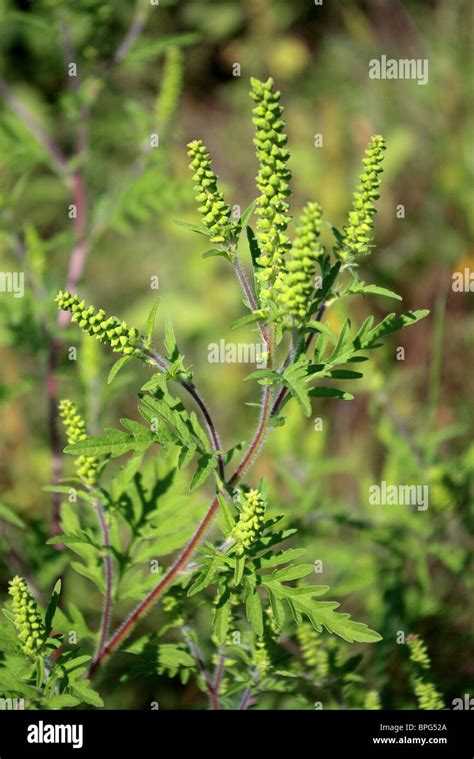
(108, 576)
(134, 31)
(247, 290)
(219, 671)
(284, 390)
(144, 606)
(53, 150)
(196, 652)
(190, 388)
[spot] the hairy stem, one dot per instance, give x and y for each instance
(281, 395)
(134, 31)
(190, 388)
(219, 671)
(247, 290)
(108, 576)
(211, 429)
(245, 699)
(210, 685)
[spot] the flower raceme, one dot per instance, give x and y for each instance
(214, 210)
(356, 235)
(109, 330)
(86, 466)
(273, 182)
(315, 657)
(27, 619)
(418, 652)
(252, 517)
(285, 287)
(426, 693)
(297, 283)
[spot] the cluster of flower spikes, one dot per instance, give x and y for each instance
(252, 516)
(273, 183)
(426, 693)
(214, 210)
(86, 466)
(356, 235)
(109, 330)
(297, 282)
(27, 619)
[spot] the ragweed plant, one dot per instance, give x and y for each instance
(250, 575)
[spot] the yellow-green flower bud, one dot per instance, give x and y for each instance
(297, 282)
(273, 182)
(357, 234)
(86, 466)
(252, 517)
(214, 210)
(27, 619)
(109, 330)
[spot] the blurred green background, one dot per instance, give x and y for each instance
(411, 420)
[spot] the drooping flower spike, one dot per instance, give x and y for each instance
(109, 330)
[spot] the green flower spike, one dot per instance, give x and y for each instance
(261, 658)
(356, 235)
(297, 283)
(426, 693)
(273, 182)
(314, 656)
(214, 210)
(86, 466)
(117, 334)
(418, 651)
(27, 619)
(372, 701)
(427, 696)
(171, 86)
(252, 517)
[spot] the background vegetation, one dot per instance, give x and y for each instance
(411, 421)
